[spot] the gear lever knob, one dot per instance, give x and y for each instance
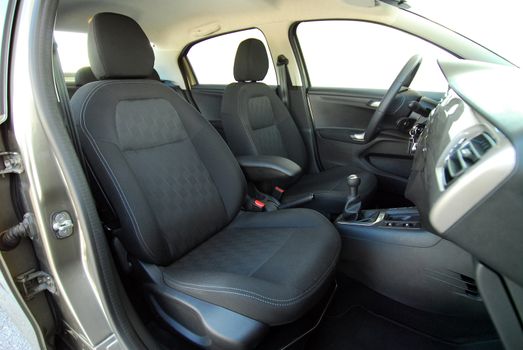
(354, 182)
(353, 204)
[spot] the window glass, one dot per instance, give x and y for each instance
(491, 26)
(354, 54)
(72, 49)
(213, 59)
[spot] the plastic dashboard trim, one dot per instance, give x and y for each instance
(479, 181)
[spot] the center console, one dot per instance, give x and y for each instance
(390, 251)
(399, 218)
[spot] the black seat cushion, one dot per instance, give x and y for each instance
(177, 190)
(330, 188)
(267, 266)
(256, 122)
(163, 166)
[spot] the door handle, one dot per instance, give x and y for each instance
(359, 137)
(374, 104)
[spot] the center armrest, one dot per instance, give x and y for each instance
(268, 168)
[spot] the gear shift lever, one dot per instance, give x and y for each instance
(353, 204)
(354, 182)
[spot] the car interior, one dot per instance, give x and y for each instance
(275, 211)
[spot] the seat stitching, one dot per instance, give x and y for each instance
(271, 256)
(254, 295)
(271, 227)
(100, 155)
(195, 135)
(245, 121)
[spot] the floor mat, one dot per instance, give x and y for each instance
(360, 329)
(361, 319)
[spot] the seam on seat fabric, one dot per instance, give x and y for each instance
(190, 138)
(99, 50)
(265, 127)
(148, 147)
(271, 227)
(108, 168)
(254, 295)
(246, 124)
(270, 256)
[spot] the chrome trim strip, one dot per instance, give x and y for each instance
(360, 137)
(379, 219)
(375, 104)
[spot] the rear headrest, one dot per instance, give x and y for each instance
(154, 75)
(83, 76)
(118, 47)
(251, 63)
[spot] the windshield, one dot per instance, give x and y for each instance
(496, 25)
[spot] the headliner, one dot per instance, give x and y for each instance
(173, 24)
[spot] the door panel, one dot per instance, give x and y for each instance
(208, 98)
(331, 107)
(363, 58)
(386, 156)
(340, 113)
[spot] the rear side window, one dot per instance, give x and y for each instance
(212, 60)
(72, 49)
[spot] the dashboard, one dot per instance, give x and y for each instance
(467, 179)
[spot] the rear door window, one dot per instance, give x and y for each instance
(212, 60)
(72, 49)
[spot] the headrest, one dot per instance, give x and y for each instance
(251, 63)
(83, 76)
(118, 47)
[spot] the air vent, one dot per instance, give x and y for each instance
(471, 288)
(458, 283)
(466, 154)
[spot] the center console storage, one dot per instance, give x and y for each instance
(394, 218)
(389, 251)
(396, 226)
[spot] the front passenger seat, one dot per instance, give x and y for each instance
(214, 273)
(256, 122)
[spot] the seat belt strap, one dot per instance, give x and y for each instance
(283, 76)
(63, 97)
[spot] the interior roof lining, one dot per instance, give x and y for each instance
(173, 24)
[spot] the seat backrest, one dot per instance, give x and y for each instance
(255, 120)
(169, 175)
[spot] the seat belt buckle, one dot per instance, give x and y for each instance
(258, 205)
(253, 204)
(277, 192)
